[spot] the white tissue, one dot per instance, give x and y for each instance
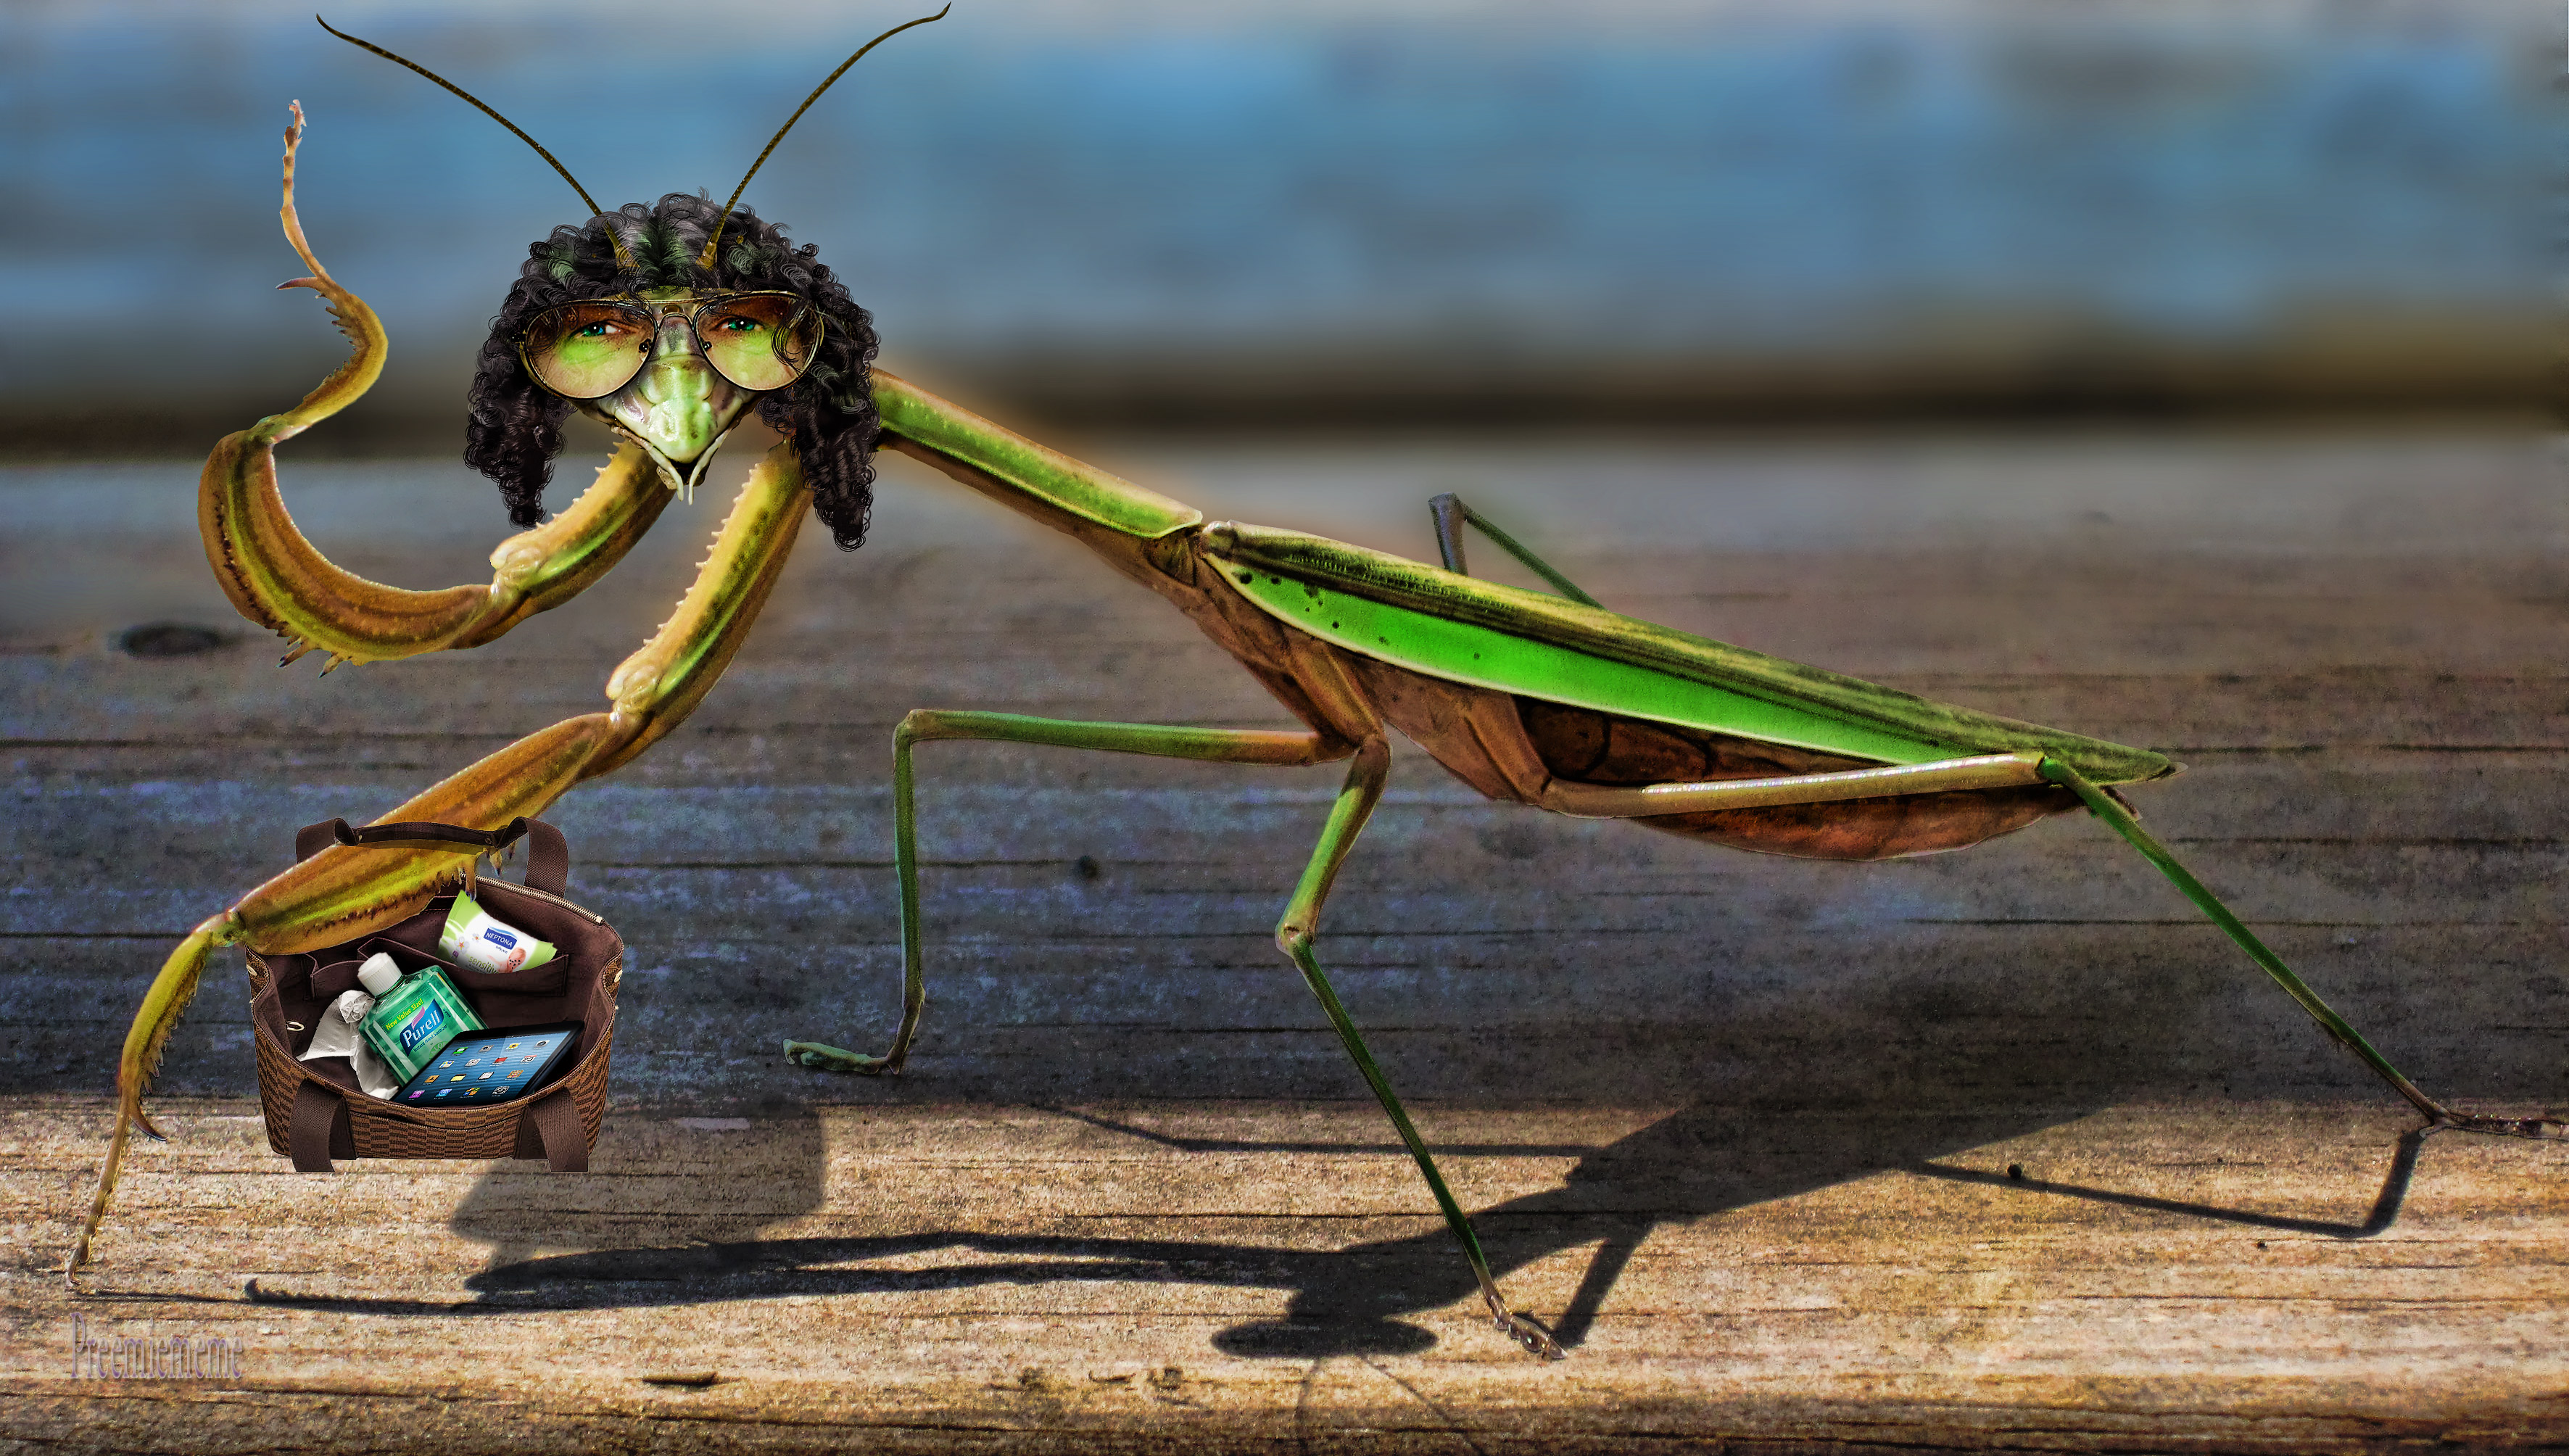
(335, 1035)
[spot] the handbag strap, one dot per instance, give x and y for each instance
(319, 1128)
(555, 1118)
(548, 852)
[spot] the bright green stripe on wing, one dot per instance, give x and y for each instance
(1468, 652)
(1479, 633)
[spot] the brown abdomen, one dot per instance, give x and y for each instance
(1589, 747)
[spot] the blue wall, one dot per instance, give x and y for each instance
(1406, 195)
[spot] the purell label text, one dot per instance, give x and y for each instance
(423, 1021)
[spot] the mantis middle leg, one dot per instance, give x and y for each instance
(1294, 932)
(1272, 748)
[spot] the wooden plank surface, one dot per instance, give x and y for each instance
(1740, 1127)
(1193, 1276)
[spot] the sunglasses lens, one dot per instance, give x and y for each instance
(588, 350)
(760, 341)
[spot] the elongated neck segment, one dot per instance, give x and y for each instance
(1044, 483)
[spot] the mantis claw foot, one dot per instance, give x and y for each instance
(824, 1057)
(1532, 1338)
(2541, 1129)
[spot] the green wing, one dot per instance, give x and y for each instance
(1480, 633)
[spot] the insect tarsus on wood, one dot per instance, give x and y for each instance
(646, 320)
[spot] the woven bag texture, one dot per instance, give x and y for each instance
(380, 1129)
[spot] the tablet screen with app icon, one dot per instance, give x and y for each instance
(482, 1067)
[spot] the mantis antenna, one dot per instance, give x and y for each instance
(705, 259)
(594, 211)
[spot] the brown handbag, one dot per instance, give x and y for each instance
(316, 1111)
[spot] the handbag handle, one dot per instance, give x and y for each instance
(319, 1128)
(548, 852)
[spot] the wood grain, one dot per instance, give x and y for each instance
(1740, 1127)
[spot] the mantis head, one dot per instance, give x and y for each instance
(669, 323)
(623, 320)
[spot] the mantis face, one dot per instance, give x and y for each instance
(672, 370)
(669, 368)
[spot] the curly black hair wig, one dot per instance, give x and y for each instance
(829, 413)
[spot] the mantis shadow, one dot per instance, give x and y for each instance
(1888, 1070)
(1351, 1301)
(2384, 1210)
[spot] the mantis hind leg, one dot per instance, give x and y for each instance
(2123, 823)
(1451, 515)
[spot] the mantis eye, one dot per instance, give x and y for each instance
(579, 351)
(760, 341)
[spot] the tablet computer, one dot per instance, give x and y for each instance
(482, 1067)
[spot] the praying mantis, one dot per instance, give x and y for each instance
(643, 319)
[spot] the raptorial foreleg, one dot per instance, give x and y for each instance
(279, 579)
(340, 894)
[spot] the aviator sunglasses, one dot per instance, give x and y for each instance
(591, 350)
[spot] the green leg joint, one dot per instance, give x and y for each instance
(1294, 935)
(1451, 515)
(1290, 748)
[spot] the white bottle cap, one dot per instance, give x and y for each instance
(378, 974)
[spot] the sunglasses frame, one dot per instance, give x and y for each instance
(657, 312)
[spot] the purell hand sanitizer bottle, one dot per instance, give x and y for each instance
(415, 1016)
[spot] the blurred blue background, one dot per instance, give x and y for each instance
(1274, 210)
